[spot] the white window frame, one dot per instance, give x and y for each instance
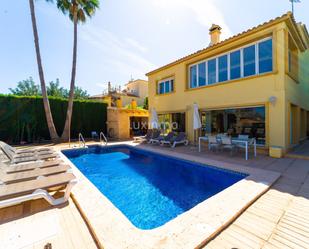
(255, 61)
(228, 68)
(170, 85)
(258, 56)
(257, 70)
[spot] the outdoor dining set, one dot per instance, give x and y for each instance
(224, 142)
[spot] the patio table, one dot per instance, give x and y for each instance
(244, 142)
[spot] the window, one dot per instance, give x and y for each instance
(179, 122)
(235, 65)
(172, 122)
(244, 62)
(166, 86)
(193, 77)
(293, 59)
(290, 61)
(161, 87)
(265, 56)
(249, 61)
(212, 71)
(223, 76)
(202, 74)
(240, 121)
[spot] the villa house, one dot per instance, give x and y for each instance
(255, 83)
(136, 90)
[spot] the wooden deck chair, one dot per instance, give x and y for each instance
(7, 178)
(16, 193)
(27, 150)
(14, 168)
(26, 158)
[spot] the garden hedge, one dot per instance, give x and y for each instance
(23, 118)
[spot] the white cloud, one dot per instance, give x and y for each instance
(204, 12)
(136, 44)
(122, 58)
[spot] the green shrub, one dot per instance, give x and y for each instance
(23, 118)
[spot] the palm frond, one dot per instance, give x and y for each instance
(82, 8)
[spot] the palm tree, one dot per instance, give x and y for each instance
(77, 10)
(49, 118)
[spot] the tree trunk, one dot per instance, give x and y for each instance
(49, 118)
(67, 126)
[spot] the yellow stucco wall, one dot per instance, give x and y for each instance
(139, 87)
(118, 121)
(245, 92)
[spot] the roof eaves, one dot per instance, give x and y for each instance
(226, 41)
(294, 27)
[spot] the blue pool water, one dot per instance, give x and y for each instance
(150, 189)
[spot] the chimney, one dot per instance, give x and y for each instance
(214, 32)
(109, 87)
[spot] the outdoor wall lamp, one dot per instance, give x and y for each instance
(272, 100)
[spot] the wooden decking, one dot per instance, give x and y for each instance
(278, 219)
(34, 225)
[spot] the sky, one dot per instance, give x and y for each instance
(124, 39)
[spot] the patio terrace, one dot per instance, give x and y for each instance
(278, 219)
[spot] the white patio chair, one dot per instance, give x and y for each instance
(226, 143)
(213, 143)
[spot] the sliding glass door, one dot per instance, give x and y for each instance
(172, 122)
(247, 121)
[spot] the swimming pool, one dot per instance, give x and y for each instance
(148, 188)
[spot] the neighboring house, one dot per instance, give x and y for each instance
(255, 83)
(134, 90)
(137, 87)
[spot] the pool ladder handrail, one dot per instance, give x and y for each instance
(81, 140)
(103, 137)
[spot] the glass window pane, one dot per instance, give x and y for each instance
(266, 56)
(212, 68)
(223, 68)
(179, 122)
(249, 61)
(161, 88)
(244, 121)
(193, 77)
(235, 65)
(202, 74)
(172, 85)
(167, 86)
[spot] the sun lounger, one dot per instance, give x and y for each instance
(15, 193)
(158, 140)
(6, 178)
(181, 138)
(147, 137)
(40, 150)
(12, 168)
(26, 158)
(155, 135)
(33, 158)
(9, 150)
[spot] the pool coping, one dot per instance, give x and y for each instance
(191, 229)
